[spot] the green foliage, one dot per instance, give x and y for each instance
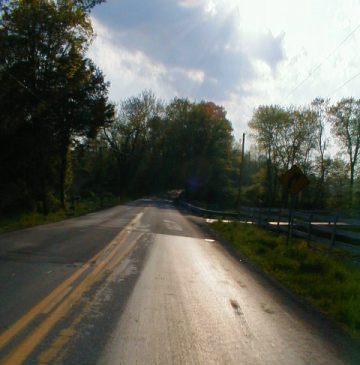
(337, 184)
(50, 95)
(285, 137)
(345, 119)
(332, 284)
(181, 145)
(204, 139)
(297, 135)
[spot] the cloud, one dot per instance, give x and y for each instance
(268, 48)
(197, 45)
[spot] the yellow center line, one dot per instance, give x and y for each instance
(48, 301)
(25, 320)
(19, 355)
(57, 300)
(65, 335)
(61, 340)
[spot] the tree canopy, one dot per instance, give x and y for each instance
(50, 94)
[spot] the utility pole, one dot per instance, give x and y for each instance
(241, 172)
(242, 149)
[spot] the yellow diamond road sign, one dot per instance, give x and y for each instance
(294, 180)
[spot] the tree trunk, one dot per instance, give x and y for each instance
(63, 168)
(64, 163)
(318, 201)
(270, 180)
(44, 200)
(352, 176)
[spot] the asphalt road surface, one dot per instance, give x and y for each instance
(142, 284)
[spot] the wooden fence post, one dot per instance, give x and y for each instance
(268, 218)
(333, 233)
(291, 224)
(279, 217)
(291, 220)
(247, 215)
(309, 227)
(260, 217)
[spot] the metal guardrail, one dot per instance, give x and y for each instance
(313, 226)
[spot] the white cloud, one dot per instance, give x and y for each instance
(238, 53)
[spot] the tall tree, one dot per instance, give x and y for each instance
(321, 108)
(132, 136)
(266, 124)
(286, 137)
(202, 137)
(49, 92)
(345, 118)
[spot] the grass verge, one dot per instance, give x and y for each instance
(331, 285)
(26, 220)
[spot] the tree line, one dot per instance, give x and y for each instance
(300, 135)
(61, 137)
(153, 147)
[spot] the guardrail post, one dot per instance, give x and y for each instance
(333, 233)
(268, 217)
(291, 220)
(278, 220)
(252, 215)
(309, 227)
(291, 224)
(246, 216)
(260, 217)
(241, 215)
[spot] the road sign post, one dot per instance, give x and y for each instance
(291, 220)
(293, 181)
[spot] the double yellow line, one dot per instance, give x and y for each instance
(58, 303)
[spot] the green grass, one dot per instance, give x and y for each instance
(32, 219)
(331, 284)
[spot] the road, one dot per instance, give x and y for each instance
(142, 284)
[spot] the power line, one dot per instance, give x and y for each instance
(317, 67)
(342, 85)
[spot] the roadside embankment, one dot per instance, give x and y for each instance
(81, 207)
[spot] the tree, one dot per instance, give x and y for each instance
(50, 93)
(132, 137)
(266, 124)
(286, 137)
(176, 147)
(296, 138)
(337, 184)
(83, 108)
(199, 149)
(321, 108)
(345, 119)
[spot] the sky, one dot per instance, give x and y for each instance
(237, 53)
